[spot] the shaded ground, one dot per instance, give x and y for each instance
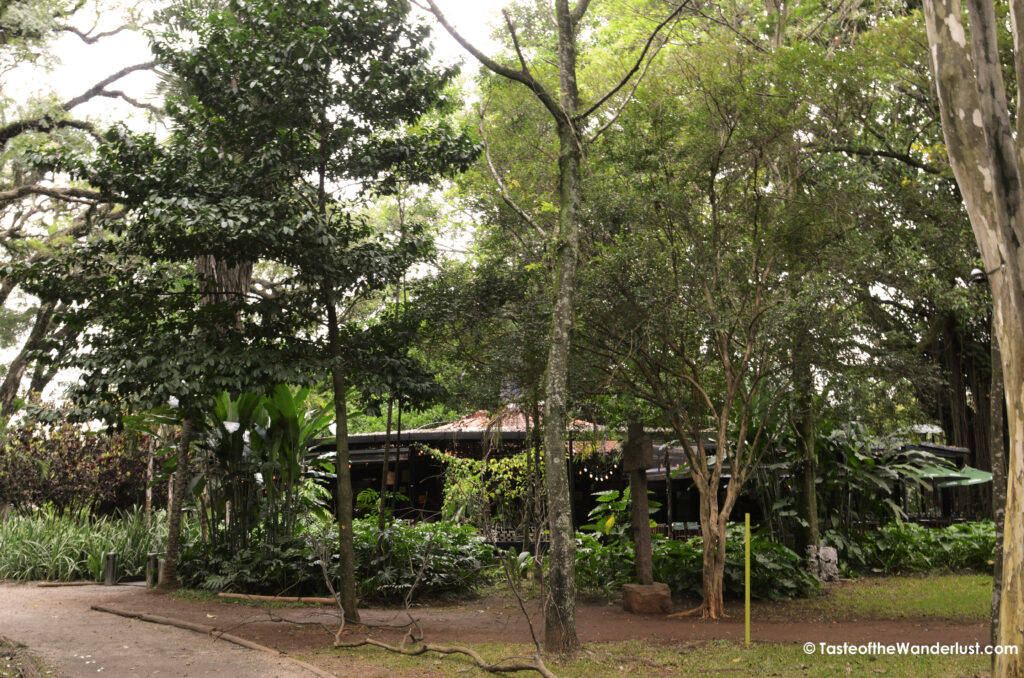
(496, 618)
(58, 625)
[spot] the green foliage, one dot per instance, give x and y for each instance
(858, 478)
(253, 456)
(439, 559)
(776, 573)
(613, 516)
(290, 567)
(492, 489)
(362, 422)
(368, 501)
(65, 467)
(905, 547)
(53, 545)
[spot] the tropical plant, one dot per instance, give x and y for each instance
(420, 560)
(55, 545)
(859, 481)
(905, 547)
(252, 464)
(776, 572)
(612, 515)
(70, 469)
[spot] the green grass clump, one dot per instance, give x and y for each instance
(52, 546)
(965, 597)
(641, 658)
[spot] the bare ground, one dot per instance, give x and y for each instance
(57, 624)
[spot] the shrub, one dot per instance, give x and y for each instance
(290, 567)
(906, 547)
(452, 558)
(49, 545)
(776, 573)
(70, 469)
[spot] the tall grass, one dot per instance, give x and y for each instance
(45, 545)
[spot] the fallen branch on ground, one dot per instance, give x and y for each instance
(211, 631)
(279, 599)
(687, 613)
(416, 650)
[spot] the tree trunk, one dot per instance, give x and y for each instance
(346, 543)
(382, 499)
(712, 529)
(997, 457)
(179, 482)
(807, 498)
(16, 370)
(668, 491)
(635, 462)
(986, 162)
(560, 608)
(149, 491)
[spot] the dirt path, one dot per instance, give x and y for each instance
(57, 625)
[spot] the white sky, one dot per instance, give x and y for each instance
(81, 65)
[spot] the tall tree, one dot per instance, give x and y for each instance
(690, 300)
(42, 212)
(987, 154)
(571, 119)
(273, 108)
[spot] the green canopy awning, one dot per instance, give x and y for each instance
(968, 476)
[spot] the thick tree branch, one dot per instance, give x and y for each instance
(515, 40)
(636, 66)
(502, 188)
(49, 121)
(11, 130)
(522, 76)
(80, 195)
(118, 94)
(507, 667)
(89, 37)
(867, 152)
(578, 11)
(98, 88)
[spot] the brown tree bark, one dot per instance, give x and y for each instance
(804, 425)
(560, 607)
(636, 457)
(169, 577)
(346, 543)
(16, 370)
(986, 161)
(997, 458)
(382, 499)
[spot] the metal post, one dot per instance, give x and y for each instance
(152, 569)
(746, 580)
(110, 569)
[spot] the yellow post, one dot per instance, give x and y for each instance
(746, 581)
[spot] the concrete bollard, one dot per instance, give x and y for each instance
(110, 569)
(152, 569)
(160, 570)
